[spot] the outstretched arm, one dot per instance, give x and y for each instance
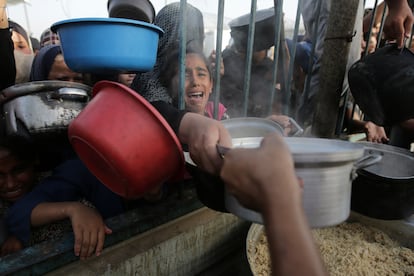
(264, 179)
(87, 224)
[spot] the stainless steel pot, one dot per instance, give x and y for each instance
(327, 168)
(42, 106)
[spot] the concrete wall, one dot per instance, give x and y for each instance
(185, 246)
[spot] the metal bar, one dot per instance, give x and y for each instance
(379, 36)
(292, 57)
(312, 54)
(182, 53)
(371, 24)
(278, 5)
(249, 55)
(219, 39)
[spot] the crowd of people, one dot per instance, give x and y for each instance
(70, 191)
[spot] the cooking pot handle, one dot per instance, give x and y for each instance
(367, 161)
(299, 129)
(70, 93)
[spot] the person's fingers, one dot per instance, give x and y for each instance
(101, 239)
(108, 230)
(408, 25)
(93, 242)
(78, 242)
(85, 246)
(400, 40)
(100, 242)
(208, 158)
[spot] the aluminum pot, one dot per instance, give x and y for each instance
(327, 168)
(385, 190)
(210, 188)
(42, 107)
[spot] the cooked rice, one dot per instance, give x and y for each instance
(346, 249)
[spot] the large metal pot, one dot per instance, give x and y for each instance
(327, 168)
(42, 106)
(385, 190)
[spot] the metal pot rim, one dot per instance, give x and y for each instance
(33, 87)
(313, 150)
(385, 150)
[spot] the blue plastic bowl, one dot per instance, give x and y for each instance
(108, 45)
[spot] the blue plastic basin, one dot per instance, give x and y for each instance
(108, 45)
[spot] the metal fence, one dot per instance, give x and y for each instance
(285, 60)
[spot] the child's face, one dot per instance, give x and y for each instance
(20, 43)
(60, 71)
(198, 84)
(16, 177)
(126, 78)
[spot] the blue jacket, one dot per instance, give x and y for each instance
(70, 181)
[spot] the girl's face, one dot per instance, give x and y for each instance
(20, 43)
(198, 84)
(60, 71)
(126, 78)
(16, 177)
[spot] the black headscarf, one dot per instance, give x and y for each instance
(18, 29)
(168, 19)
(43, 61)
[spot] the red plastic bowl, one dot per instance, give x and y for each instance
(125, 142)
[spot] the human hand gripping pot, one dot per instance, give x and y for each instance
(202, 134)
(264, 179)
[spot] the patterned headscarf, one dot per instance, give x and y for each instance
(49, 38)
(168, 19)
(43, 61)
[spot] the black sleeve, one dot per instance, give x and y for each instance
(171, 114)
(8, 65)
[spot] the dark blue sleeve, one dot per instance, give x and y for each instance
(70, 181)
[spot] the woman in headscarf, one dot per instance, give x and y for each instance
(200, 133)
(168, 19)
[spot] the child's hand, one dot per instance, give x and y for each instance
(10, 245)
(89, 230)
